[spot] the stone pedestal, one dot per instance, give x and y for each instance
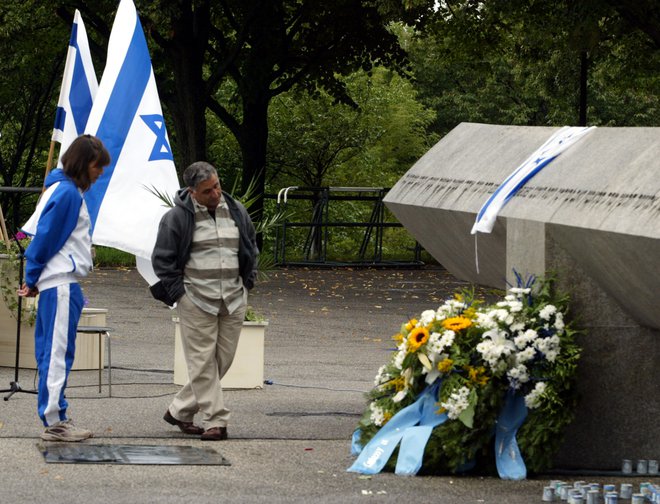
(247, 370)
(618, 377)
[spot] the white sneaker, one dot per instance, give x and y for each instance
(65, 431)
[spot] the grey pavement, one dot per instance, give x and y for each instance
(329, 331)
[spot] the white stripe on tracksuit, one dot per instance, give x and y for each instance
(60, 309)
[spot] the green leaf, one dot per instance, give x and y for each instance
(467, 415)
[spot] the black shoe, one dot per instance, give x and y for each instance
(215, 434)
(186, 427)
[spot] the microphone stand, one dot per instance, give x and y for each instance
(14, 386)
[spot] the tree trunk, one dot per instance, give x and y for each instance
(253, 142)
(187, 101)
(584, 74)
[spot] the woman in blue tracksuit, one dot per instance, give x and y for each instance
(57, 256)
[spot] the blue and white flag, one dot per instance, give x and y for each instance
(128, 118)
(554, 146)
(79, 86)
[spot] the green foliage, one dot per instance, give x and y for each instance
(519, 63)
(314, 141)
(30, 69)
(251, 315)
(111, 257)
(9, 281)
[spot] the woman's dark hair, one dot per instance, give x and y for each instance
(83, 151)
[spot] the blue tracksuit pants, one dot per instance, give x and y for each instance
(58, 314)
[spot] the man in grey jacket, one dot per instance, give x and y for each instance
(206, 259)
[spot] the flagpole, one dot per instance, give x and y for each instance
(49, 163)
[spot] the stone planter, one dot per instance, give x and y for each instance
(247, 370)
(87, 348)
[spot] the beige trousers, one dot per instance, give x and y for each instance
(209, 344)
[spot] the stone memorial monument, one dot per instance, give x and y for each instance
(592, 216)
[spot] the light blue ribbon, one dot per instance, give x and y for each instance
(356, 447)
(509, 461)
(412, 426)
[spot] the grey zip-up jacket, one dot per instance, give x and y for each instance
(174, 239)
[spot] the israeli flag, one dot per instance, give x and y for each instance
(79, 86)
(128, 118)
(555, 145)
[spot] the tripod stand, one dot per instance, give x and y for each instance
(15, 386)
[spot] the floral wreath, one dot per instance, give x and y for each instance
(495, 383)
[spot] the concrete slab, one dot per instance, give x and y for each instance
(601, 199)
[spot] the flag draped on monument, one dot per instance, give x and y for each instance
(555, 145)
(127, 117)
(79, 86)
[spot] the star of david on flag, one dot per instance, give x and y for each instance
(161, 148)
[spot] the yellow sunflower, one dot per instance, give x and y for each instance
(456, 323)
(398, 338)
(417, 337)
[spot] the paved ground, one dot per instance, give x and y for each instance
(329, 331)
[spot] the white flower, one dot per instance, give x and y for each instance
(439, 341)
(519, 290)
(382, 376)
(525, 355)
(547, 311)
(533, 399)
(457, 305)
(517, 327)
(502, 315)
(517, 375)
(426, 317)
(433, 345)
(549, 347)
(456, 403)
(377, 416)
(559, 322)
(515, 306)
(551, 355)
(447, 339)
(522, 340)
(494, 346)
(401, 354)
(486, 320)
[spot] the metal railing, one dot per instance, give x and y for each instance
(318, 237)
